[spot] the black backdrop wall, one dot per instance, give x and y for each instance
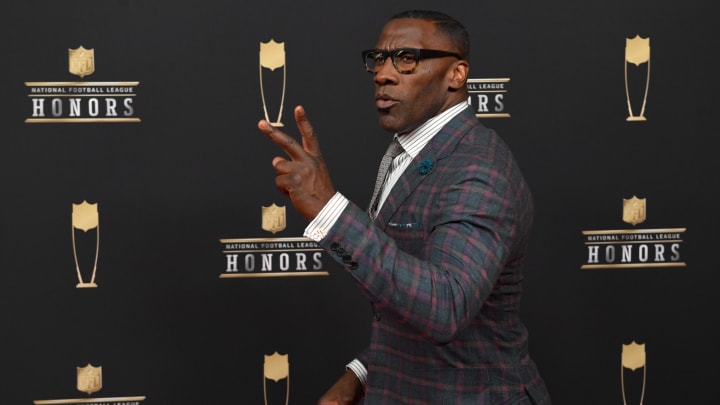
(180, 176)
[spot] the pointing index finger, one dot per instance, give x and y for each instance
(310, 142)
(285, 141)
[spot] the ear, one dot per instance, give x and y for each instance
(458, 74)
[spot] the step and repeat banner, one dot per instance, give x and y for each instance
(146, 256)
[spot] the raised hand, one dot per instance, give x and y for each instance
(303, 177)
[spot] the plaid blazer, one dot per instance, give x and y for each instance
(442, 266)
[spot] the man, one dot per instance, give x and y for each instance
(441, 256)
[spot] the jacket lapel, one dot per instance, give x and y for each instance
(420, 168)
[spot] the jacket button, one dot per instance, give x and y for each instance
(352, 265)
(377, 316)
(334, 246)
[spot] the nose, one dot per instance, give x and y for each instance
(385, 73)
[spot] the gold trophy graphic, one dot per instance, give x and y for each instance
(637, 52)
(277, 368)
(272, 56)
(633, 357)
(85, 217)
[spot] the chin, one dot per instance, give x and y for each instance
(387, 123)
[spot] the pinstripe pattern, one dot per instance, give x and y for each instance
(441, 264)
(414, 141)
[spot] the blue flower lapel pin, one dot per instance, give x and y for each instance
(425, 166)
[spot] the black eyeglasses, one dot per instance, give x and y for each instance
(405, 60)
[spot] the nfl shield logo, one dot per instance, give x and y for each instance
(89, 379)
(634, 210)
(273, 218)
(81, 61)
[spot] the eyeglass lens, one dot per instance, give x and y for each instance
(404, 60)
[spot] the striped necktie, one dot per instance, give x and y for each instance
(393, 150)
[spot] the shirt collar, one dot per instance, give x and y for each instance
(415, 140)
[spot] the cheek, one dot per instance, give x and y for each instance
(427, 85)
(426, 100)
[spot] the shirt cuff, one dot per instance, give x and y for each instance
(326, 218)
(359, 369)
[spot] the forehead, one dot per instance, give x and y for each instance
(411, 33)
